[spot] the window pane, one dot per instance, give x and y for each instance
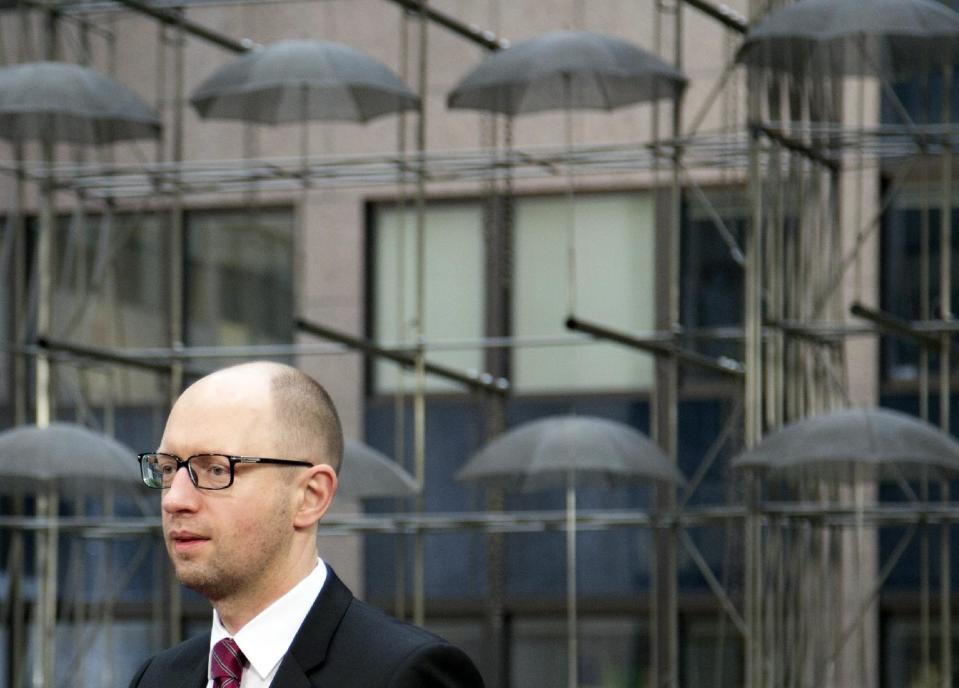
(711, 280)
(454, 286)
(614, 287)
(112, 269)
(612, 652)
(901, 254)
(240, 277)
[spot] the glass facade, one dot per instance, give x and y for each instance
(615, 244)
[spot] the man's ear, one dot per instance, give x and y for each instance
(317, 487)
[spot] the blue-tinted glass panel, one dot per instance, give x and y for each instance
(611, 562)
(711, 285)
(455, 562)
(901, 254)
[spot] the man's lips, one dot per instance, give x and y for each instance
(185, 541)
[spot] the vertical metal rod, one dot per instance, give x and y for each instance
(945, 592)
(45, 242)
(52, 576)
(753, 392)
(20, 298)
(177, 287)
(570, 201)
(19, 388)
(945, 603)
(112, 593)
(419, 403)
(572, 631)
(672, 407)
(924, 630)
(17, 601)
(924, 271)
(402, 325)
(656, 603)
(46, 598)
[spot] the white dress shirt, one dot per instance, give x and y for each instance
(268, 635)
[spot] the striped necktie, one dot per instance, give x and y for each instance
(226, 664)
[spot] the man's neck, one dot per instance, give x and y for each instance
(237, 611)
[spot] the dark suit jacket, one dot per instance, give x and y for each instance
(343, 643)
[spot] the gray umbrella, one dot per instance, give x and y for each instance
(890, 443)
(59, 460)
(300, 80)
(65, 102)
(566, 69)
(69, 459)
(890, 37)
(563, 451)
(368, 473)
(541, 454)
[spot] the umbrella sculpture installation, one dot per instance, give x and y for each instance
(889, 443)
(368, 473)
(889, 37)
(566, 70)
(847, 446)
(59, 460)
(54, 102)
(566, 451)
(69, 103)
(66, 459)
(301, 80)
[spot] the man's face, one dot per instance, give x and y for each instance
(225, 543)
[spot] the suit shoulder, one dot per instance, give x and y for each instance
(190, 654)
(402, 636)
(390, 652)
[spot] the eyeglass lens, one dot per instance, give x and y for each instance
(208, 471)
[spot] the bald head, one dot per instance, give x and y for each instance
(305, 410)
(304, 420)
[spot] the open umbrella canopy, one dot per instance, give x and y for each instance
(540, 454)
(70, 459)
(889, 443)
(368, 473)
(63, 102)
(892, 38)
(566, 69)
(301, 80)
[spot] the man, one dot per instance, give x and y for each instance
(261, 444)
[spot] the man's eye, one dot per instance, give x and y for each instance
(168, 468)
(218, 471)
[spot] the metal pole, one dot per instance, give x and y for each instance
(46, 597)
(478, 382)
(15, 565)
(483, 38)
(419, 401)
(752, 319)
(402, 323)
(174, 17)
(43, 410)
(177, 285)
(572, 632)
(945, 602)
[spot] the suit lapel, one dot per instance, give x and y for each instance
(312, 641)
(194, 659)
(198, 677)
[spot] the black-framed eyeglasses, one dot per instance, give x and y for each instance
(206, 471)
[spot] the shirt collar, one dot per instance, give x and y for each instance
(268, 636)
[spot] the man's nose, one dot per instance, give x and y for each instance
(182, 495)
